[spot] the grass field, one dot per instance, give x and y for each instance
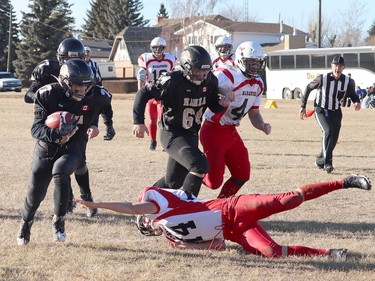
(109, 247)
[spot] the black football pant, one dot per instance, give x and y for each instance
(184, 157)
(51, 161)
(330, 123)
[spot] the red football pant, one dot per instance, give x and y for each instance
(153, 110)
(223, 146)
(242, 213)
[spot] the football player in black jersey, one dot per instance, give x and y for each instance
(46, 72)
(185, 95)
(60, 152)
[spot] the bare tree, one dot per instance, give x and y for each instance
(236, 13)
(350, 28)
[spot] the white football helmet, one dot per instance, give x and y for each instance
(251, 59)
(224, 46)
(158, 46)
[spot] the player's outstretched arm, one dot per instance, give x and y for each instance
(121, 207)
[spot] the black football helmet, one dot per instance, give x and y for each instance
(195, 57)
(70, 48)
(76, 72)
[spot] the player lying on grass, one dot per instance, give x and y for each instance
(188, 222)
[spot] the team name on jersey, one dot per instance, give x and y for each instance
(249, 93)
(194, 102)
(160, 66)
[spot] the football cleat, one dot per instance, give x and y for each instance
(340, 254)
(23, 236)
(58, 226)
(329, 169)
(153, 145)
(90, 212)
(357, 181)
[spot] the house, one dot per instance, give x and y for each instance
(128, 45)
(201, 30)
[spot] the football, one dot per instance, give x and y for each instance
(53, 120)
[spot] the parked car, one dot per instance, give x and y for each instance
(8, 82)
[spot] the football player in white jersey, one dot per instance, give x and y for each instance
(221, 142)
(151, 67)
(224, 53)
(190, 223)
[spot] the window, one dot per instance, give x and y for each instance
(318, 61)
(367, 60)
(302, 61)
(287, 62)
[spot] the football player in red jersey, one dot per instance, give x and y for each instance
(151, 67)
(205, 224)
(221, 142)
(224, 53)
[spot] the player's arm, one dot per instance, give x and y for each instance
(122, 207)
(215, 244)
(257, 121)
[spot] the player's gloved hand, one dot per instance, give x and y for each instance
(67, 128)
(67, 137)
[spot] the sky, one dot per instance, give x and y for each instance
(293, 12)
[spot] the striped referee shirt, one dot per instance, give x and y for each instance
(330, 91)
(95, 69)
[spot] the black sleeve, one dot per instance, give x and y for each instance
(315, 84)
(39, 130)
(31, 92)
(214, 98)
(142, 96)
(351, 92)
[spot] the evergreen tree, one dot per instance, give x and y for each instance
(42, 29)
(5, 8)
(163, 11)
(370, 40)
(107, 18)
(95, 26)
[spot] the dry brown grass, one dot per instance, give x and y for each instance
(108, 247)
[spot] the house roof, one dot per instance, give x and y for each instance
(137, 40)
(231, 26)
(99, 48)
(259, 27)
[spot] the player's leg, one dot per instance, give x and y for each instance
(254, 207)
(257, 241)
(82, 177)
(152, 111)
(40, 178)
(183, 147)
(63, 167)
(214, 141)
(237, 161)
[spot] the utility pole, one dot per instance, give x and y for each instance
(320, 25)
(246, 10)
(9, 38)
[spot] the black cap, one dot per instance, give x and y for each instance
(338, 60)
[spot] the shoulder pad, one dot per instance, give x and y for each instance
(164, 78)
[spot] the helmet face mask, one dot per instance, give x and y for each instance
(251, 59)
(70, 48)
(145, 226)
(76, 78)
(196, 64)
(224, 47)
(157, 46)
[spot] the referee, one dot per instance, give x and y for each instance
(332, 88)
